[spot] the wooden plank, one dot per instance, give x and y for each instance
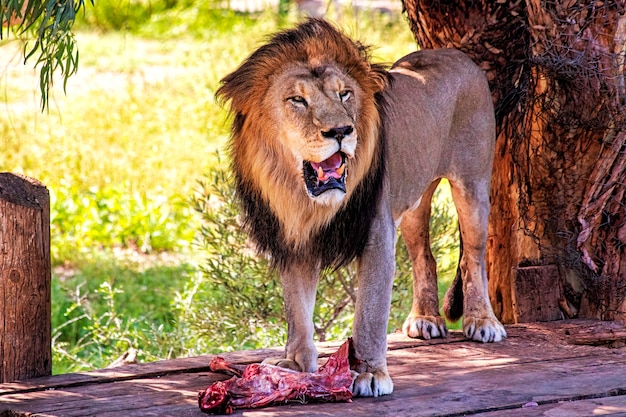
(152, 369)
(608, 406)
(192, 364)
(535, 364)
(460, 387)
(562, 332)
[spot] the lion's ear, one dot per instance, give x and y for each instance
(379, 77)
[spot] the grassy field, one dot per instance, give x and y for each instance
(122, 153)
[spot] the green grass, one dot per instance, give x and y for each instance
(115, 302)
(121, 154)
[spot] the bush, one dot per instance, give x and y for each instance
(236, 302)
(232, 302)
(116, 302)
(90, 337)
(116, 217)
(123, 14)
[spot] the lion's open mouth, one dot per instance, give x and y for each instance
(326, 175)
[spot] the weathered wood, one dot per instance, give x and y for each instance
(616, 340)
(535, 365)
(536, 292)
(25, 329)
(607, 406)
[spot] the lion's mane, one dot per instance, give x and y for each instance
(277, 213)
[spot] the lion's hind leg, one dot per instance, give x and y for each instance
(424, 319)
(471, 199)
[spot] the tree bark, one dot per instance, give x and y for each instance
(556, 70)
(25, 328)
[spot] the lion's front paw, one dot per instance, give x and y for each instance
(483, 330)
(427, 327)
(371, 384)
(301, 359)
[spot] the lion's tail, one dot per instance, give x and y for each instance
(453, 301)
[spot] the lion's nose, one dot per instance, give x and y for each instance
(338, 133)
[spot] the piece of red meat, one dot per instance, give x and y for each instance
(259, 385)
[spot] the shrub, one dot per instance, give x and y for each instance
(89, 337)
(236, 302)
(123, 14)
(116, 302)
(116, 217)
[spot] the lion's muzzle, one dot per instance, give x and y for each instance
(325, 175)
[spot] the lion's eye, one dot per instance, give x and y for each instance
(344, 95)
(298, 101)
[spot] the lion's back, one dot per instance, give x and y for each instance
(439, 117)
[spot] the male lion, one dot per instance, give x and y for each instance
(332, 152)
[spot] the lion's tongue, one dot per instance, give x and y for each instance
(331, 167)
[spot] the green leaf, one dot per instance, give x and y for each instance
(50, 22)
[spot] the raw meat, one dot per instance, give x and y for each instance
(259, 385)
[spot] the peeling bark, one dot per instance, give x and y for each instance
(556, 70)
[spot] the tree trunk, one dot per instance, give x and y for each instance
(556, 70)
(25, 333)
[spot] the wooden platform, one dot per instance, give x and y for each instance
(566, 368)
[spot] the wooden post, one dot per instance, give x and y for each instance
(25, 322)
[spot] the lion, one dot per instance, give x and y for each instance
(331, 153)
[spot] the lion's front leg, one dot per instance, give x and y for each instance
(375, 278)
(299, 288)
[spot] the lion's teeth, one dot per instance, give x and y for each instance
(320, 172)
(341, 169)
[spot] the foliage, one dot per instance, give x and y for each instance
(99, 337)
(116, 217)
(117, 302)
(51, 22)
(128, 15)
(241, 300)
(242, 303)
